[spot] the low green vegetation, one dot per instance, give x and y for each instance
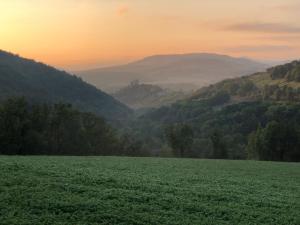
(115, 190)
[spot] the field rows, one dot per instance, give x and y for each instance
(115, 190)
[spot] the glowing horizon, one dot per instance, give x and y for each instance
(78, 34)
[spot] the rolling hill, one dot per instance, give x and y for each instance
(279, 83)
(186, 71)
(42, 83)
(139, 96)
(231, 111)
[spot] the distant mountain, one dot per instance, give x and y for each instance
(41, 83)
(139, 96)
(179, 71)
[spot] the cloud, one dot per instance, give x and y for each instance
(289, 7)
(260, 48)
(286, 38)
(170, 17)
(122, 10)
(264, 27)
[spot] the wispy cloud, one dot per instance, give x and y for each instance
(281, 37)
(122, 10)
(264, 27)
(289, 7)
(175, 18)
(260, 48)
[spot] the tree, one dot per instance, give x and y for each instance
(278, 141)
(219, 98)
(180, 138)
(130, 146)
(255, 147)
(13, 126)
(219, 146)
(99, 138)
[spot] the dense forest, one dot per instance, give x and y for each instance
(237, 119)
(58, 129)
(229, 132)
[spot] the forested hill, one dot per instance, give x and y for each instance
(42, 83)
(138, 96)
(257, 116)
(279, 83)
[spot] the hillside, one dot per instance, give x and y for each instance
(260, 105)
(42, 83)
(186, 71)
(279, 83)
(138, 96)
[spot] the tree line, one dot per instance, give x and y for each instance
(276, 142)
(256, 130)
(58, 129)
(263, 130)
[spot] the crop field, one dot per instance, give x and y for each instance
(117, 190)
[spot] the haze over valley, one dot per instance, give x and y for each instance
(177, 72)
(170, 112)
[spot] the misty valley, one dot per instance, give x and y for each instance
(150, 152)
(47, 111)
(161, 112)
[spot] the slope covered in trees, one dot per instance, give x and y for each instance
(279, 83)
(289, 71)
(41, 83)
(138, 96)
(256, 116)
(225, 132)
(238, 119)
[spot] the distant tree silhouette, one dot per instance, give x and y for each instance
(180, 138)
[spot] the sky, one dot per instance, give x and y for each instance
(82, 34)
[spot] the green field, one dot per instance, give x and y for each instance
(112, 190)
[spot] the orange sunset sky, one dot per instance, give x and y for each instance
(80, 34)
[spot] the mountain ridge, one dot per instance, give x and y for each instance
(42, 83)
(194, 69)
(279, 83)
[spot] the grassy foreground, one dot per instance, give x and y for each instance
(115, 190)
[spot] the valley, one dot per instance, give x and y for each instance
(138, 112)
(184, 72)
